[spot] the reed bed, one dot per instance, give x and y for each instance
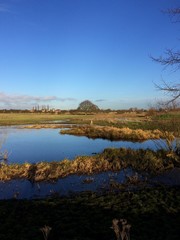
(109, 160)
(114, 133)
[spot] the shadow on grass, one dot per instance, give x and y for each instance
(152, 213)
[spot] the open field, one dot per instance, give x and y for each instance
(32, 118)
(131, 120)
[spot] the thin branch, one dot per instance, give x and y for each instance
(173, 12)
(171, 59)
(168, 87)
(172, 90)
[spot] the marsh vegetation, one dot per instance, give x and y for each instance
(148, 161)
(153, 213)
(114, 133)
(151, 208)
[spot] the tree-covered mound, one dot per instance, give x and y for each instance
(87, 106)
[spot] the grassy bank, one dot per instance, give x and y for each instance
(152, 213)
(109, 160)
(114, 133)
(103, 132)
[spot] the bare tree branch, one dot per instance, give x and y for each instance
(174, 12)
(172, 90)
(171, 59)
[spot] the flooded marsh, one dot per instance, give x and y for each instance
(46, 144)
(78, 184)
(40, 154)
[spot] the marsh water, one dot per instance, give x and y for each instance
(36, 145)
(65, 186)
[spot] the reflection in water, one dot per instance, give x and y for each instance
(71, 184)
(4, 153)
(3, 136)
(32, 145)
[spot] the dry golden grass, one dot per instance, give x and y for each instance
(40, 126)
(109, 160)
(114, 133)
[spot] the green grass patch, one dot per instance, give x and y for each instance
(33, 118)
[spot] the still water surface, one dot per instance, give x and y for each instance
(35, 145)
(72, 184)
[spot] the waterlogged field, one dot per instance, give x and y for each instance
(50, 141)
(74, 184)
(36, 145)
(30, 118)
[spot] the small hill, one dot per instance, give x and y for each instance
(87, 106)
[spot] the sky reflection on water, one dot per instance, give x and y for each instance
(36, 145)
(72, 184)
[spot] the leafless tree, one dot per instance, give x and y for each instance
(174, 14)
(172, 90)
(170, 59)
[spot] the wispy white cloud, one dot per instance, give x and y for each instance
(26, 101)
(100, 100)
(7, 6)
(4, 7)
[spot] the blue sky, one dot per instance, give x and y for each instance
(61, 52)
